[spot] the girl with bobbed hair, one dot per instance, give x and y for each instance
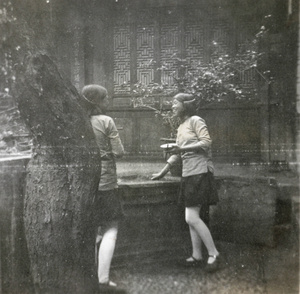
(93, 98)
(193, 146)
(107, 203)
(189, 103)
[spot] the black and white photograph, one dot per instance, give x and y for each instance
(149, 146)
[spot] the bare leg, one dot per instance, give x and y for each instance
(106, 251)
(193, 220)
(196, 244)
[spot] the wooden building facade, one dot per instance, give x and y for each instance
(118, 43)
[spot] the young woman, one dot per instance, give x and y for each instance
(107, 203)
(193, 146)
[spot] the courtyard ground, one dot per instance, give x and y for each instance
(245, 268)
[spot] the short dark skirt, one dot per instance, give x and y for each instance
(198, 190)
(108, 206)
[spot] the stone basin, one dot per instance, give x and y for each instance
(129, 169)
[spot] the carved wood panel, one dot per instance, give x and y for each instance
(169, 42)
(145, 54)
(204, 36)
(194, 43)
(160, 39)
(221, 37)
(122, 59)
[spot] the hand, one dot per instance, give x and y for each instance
(175, 150)
(156, 177)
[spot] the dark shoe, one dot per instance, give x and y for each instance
(191, 263)
(213, 267)
(107, 288)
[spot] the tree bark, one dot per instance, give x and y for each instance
(62, 178)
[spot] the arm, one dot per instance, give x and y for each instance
(172, 160)
(203, 143)
(115, 141)
(162, 173)
(201, 131)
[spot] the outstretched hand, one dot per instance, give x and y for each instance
(156, 177)
(162, 173)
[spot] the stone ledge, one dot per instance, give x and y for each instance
(246, 212)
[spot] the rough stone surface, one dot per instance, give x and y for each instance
(245, 269)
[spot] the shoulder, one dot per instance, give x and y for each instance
(103, 122)
(102, 118)
(195, 119)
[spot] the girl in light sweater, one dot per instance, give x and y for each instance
(193, 145)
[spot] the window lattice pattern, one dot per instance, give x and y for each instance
(221, 37)
(204, 36)
(169, 52)
(145, 54)
(122, 59)
(194, 44)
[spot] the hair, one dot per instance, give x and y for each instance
(188, 101)
(93, 95)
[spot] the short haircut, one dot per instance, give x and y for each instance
(188, 101)
(94, 93)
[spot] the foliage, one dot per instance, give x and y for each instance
(156, 97)
(218, 81)
(7, 76)
(14, 42)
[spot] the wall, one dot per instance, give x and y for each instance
(140, 131)
(140, 37)
(246, 213)
(82, 40)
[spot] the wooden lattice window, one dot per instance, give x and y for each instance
(147, 40)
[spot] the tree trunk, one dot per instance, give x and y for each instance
(62, 178)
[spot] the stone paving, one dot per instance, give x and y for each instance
(245, 269)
